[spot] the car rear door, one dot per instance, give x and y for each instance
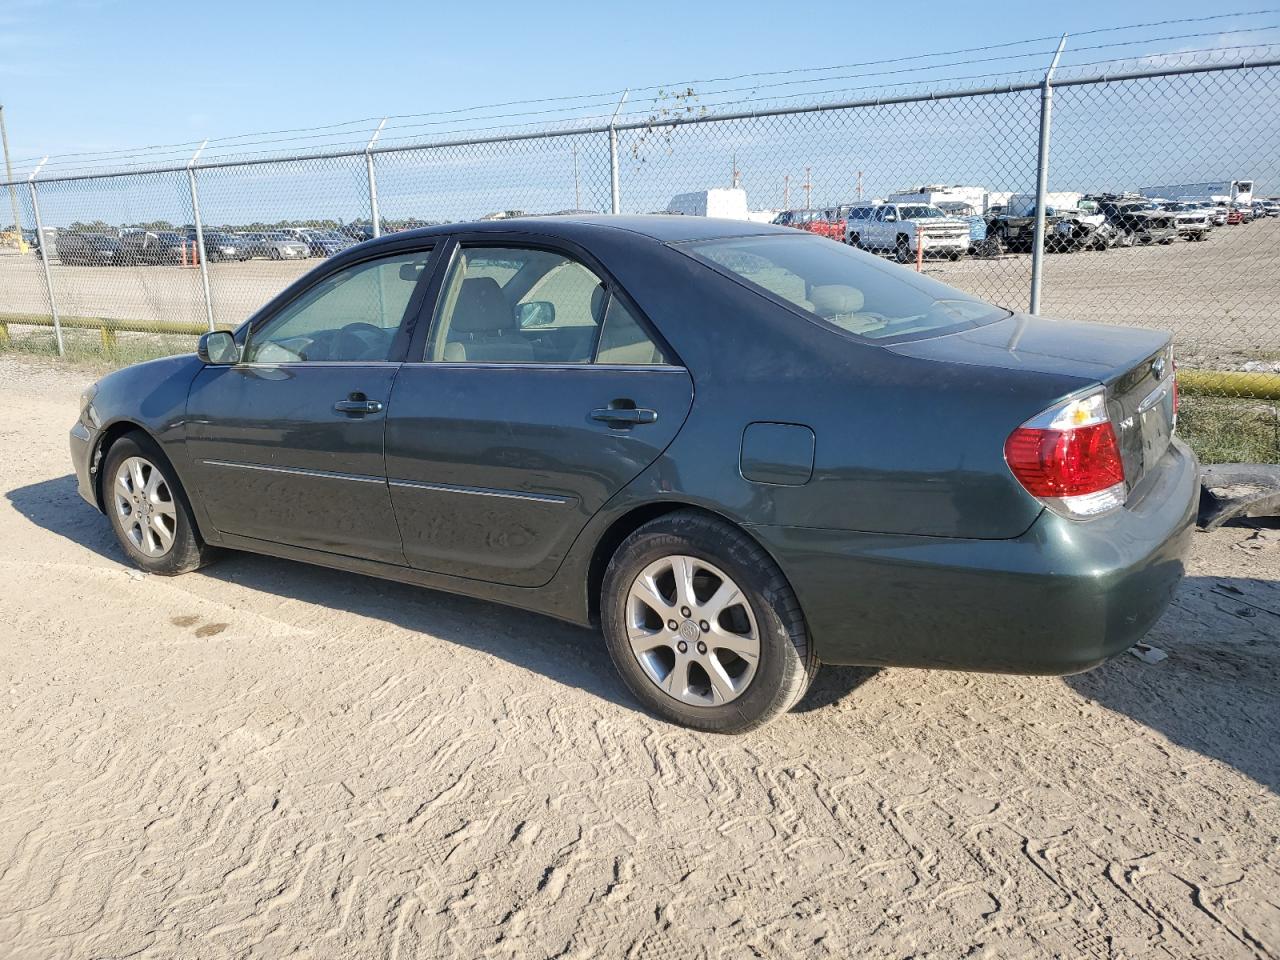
(287, 446)
(540, 392)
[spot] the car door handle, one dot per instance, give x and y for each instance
(358, 406)
(624, 415)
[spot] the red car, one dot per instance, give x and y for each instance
(826, 223)
(1234, 216)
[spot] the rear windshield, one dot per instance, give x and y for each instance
(850, 290)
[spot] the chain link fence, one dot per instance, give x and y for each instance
(135, 264)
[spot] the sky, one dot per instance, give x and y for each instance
(81, 75)
(104, 75)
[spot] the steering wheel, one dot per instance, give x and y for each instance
(356, 341)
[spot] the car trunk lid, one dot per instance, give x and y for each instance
(1135, 367)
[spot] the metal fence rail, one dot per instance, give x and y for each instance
(85, 289)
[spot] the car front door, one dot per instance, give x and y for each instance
(287, 445)
(540, 392)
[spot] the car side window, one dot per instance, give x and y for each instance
(517, 305)
(623, 339)
(351, 316)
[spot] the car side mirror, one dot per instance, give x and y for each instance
(890, 218)
(535, 313)
(411, 271)
(217, 347)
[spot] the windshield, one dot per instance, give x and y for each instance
(920, 212)
(852, 291)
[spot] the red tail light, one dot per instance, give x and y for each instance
(1068, 458)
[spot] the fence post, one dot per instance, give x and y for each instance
(44, 258)
(615, 196)
(1042, 179)
(373, 180)
(200, 251)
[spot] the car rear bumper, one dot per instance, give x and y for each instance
(81, 449)
(1061, 598)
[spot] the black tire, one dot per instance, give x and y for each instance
(787, 662)
(188, 551)
(855, 241)
(902, 250)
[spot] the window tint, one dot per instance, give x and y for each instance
(351, 316)
(623, 340)
(518, 306)
(850, 290)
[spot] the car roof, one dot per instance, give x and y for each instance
(660, 227)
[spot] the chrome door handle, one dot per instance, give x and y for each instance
(624, 415)
(358, 406)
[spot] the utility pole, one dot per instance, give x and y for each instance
(859, 184)
(786, 191)
(8, 175)
(737, 179)
(808, 189)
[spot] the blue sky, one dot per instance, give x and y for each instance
(80, 75)
(102, 75)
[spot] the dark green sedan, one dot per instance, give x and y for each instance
(740, 449)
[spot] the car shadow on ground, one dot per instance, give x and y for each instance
(563, 652)
(1216, 694)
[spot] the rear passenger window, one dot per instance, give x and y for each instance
(524, 305)
(623, 340)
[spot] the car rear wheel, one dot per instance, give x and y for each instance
(149, 510)
(703, 627)
(902, 252)
(855, 241)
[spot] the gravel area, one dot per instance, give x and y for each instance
(266, 759)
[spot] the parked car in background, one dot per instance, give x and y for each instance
(325, 243)
(162, 246)
(874, 467)
(219, 245)
(87, 249)
(1138, 220)
(1190, 220)
(277, 245)
(796, 218)
(1236, 216)
(968, 213)
(906, 229)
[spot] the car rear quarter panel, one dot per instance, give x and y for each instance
(903, 445)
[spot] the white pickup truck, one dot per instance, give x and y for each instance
(905, 228)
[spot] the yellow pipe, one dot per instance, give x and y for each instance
(1229, 383)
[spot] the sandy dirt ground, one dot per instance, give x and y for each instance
(1218, 297)
(266, 759)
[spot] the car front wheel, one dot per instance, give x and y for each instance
(703, 627)
(149, 511)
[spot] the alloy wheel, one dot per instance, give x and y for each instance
(692, 631)
(145, 506)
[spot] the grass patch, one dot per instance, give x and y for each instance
(1229, 430)
(84, 348)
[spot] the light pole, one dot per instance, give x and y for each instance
(8, 175)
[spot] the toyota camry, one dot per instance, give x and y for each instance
(741, 450)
